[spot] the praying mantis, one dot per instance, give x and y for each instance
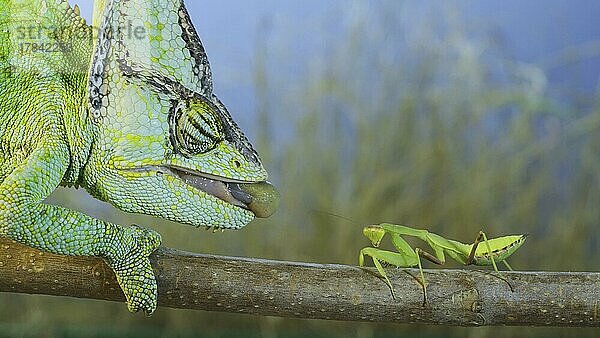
(494, 250)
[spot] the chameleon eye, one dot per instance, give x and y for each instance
(195, 128)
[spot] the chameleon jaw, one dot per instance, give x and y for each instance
(260, 198)
(213, 187)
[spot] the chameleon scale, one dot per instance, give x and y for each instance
(132, 118)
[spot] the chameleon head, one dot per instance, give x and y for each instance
(164, 144)
(182, 160)
(374, 233)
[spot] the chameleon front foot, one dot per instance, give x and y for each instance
(133, 270)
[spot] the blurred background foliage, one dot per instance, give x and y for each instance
(430, 123)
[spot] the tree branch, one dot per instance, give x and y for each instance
(340, 292)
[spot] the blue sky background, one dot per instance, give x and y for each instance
(535, 31)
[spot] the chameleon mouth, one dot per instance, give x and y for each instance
(261, 198)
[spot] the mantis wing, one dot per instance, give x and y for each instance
(501, 249)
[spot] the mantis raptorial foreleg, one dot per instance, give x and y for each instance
(405, 257)
(495, 249)
(400, 260)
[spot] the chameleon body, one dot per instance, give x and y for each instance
(124, 108)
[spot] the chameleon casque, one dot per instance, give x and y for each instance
(124, 108)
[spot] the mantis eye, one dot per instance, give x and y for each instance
(195, 127)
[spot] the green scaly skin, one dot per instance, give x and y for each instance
(131, 118)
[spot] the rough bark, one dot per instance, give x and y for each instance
(324, 291)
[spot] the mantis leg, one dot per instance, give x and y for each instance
(399, 260)
(419, 252)
(478, 240)
(481, 236)
(402, 246)
(487, 244)
(393, 258)
(429, 257)
(385, 277)
(494, 262)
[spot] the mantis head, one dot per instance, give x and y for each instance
(374, 233)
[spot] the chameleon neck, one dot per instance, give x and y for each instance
(79, 132)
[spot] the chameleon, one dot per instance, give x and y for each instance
(125, 109)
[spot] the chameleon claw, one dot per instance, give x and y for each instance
(133, 269)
